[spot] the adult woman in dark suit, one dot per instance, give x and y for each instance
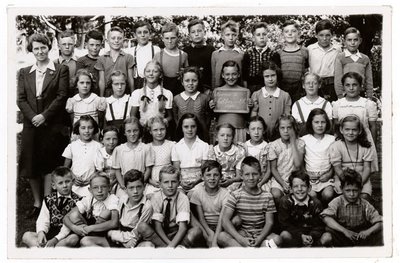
(42, 94)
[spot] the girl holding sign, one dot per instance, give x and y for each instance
(230, 74)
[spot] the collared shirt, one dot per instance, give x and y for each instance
(190, 157)
(90, 203)
(307, 106)
(179, 205)
(71, 63)
(87, 106)
(118, 106)
(186, 97)
(316, 156)
(356, 56)
(237, 49)
(322, 62)
(358, 215)
(229, 160)
(301, 203)
(40, 76)
(125, 158)
(83, 156)
(266, 94)
(144, 54)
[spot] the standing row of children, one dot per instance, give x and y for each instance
(161, 102)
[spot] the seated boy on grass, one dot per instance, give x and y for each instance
(255, 208)
(95, 214)
(133, 209)
(171, 214)
(50, 231)
(298, 214)
(350, 219)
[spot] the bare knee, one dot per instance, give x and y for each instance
(326, 239)
(327, 194)
(86, 242)
(146, 244)
(236, 221)
(29, 239)
(276, 238)
(223, 239)
(194, 234)
(76, 218)
(286, 236)
(71, 240)
(277, 194)
(145, 229)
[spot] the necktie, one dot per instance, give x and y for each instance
(61, 202)
(167, 215)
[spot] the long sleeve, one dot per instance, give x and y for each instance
(64, 232)
(22, 100)
(213, 68)
(43, 221)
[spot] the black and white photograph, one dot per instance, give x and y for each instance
(162, 133)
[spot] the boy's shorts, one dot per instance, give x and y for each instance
(298, 242)
(340, 240)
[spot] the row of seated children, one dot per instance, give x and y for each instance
(242, 218)
(322, 58)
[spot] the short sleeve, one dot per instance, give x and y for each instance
(332, 208)
(254, 98)
(115, 158)
(100, 64)
(372, 215)
(99, 161)
(372, 110)
(175, 154)
(101, 104)
(231, 202)
(112, 203)
(69, 107)
(269, 205)
(156, 203)
(150, 156)
(368, 155)
(147, 212)
(206, 148)
(241, 153)
(335, 106)
(195, 198)
(182, 209)
(67, 152)
(272, 152)
(328, 110)
(168, 104)
(335, 156)
(130, 62)
(84, 204)
(134, 100)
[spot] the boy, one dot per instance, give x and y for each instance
(255, 56)
(294, 60)
(171, 214)
(351, 220)
(94, 43)
(208, 199)
(143, 52)
(299, 214)
(50, 231)
(95, 214)
(352, 60)
(134, 209)
(254, 207)
(66, 44)
(171, 58)
(229, 51)
(322, 57)
(112, 60)
(199, 53)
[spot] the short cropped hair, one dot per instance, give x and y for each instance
(351, 30)
(300, 175)
(324, 24)
(38, 38)
(252, 162)
(169, 169)
(209, 165)
(61, 171)
(351, 177)
(232, 25)
(94, 34)
(258, 25)
(67, 33)
(169, 27)
(195, 21)
(142, 23)
(132, 176)
(115, 28)
(291, 22)
(100, 175)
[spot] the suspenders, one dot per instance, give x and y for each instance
(135, 51)
(112, 111)
(180, 58)
(301, 113)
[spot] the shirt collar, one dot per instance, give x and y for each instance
(319, 101)
(112, 99)
(127, 149)
(237, 49)
(121, 52)
(173, 198)
(266, 94)
(156, 89)
(194, 46)
(142, 201)
(345, 202)
(97, 201)
(148, 45)
(317, 46)
(49, 66)
(86, 100)
(182, 141)
(83, 143)
(67, 196)
(261, 50)
(230, 152)
(186, 97)
(61, 59)
(348, 54)
(305, 202)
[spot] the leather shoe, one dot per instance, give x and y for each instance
(33, 213)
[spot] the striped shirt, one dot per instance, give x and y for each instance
(251, 208)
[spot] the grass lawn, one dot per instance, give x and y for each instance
(24, 200)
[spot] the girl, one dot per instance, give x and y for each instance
(285, 155)
(118, 104)
(352, 150)
(190, 152)
(316, 157)
(301, 108)
(162, 149)
(85, 102)
(230, 73)
(258, 148)
(365, 109)
(270, 102)
(80, 155)
(228, 155)
(152, 100)
(193, 101)
(109, 138)
(132, 155)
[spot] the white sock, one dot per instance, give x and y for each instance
(271, 244)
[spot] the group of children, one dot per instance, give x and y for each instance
(142, 172)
